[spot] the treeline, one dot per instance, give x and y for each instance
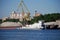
(46, 17)
(0, 21)
(11, 20)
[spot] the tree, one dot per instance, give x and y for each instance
(51, 17)
(47, 17)
(11, 20)
(0, 21)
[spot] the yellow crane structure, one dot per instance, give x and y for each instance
(22, 8)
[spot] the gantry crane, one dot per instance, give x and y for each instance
(24, 11)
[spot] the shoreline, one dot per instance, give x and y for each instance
(14, 27)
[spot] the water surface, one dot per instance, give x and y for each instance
(25, 34)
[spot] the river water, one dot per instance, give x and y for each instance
(27, 34)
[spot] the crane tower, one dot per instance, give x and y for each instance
(24, 11)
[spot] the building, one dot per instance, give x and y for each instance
(36, 14)
(20, 16)
(55, 24)
(58, 23)
(14, 15)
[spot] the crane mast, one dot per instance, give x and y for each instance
(24, 11)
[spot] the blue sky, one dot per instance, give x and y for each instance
(42, 6)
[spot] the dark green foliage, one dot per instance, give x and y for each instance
(51, 17)
(0, 21)
(36, 19)
(32, 21)
(11, 20)
(46, 17)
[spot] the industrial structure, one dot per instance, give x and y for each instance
(36, 14)
(22, 12)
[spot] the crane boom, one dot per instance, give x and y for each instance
(21, 6)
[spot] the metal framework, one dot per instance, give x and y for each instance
(22, 5)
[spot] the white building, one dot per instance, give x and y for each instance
(20, 16)
(58, 23)
(14, 15)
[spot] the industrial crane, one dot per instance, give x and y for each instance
(24, 11)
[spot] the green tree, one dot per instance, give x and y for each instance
(47, 17)
(0, 21)
(11, 20)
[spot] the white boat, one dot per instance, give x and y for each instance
(33, 26)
